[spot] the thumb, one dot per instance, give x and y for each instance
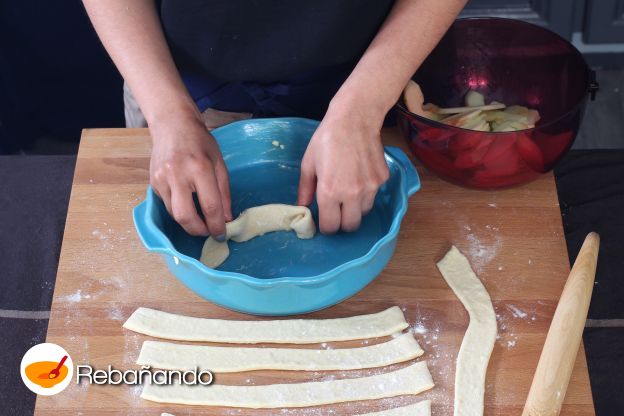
(307, 184)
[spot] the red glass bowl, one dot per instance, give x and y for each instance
(509, 61)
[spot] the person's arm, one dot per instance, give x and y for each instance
(344, 162)
(185, 157)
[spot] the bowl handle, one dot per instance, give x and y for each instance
(412, 181)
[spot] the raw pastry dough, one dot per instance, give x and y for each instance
(478, 342)
(171, 356)
(419, 409)
(409, 380)
(288, 331)
(257, 221)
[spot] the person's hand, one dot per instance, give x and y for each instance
(345, 164)
(186, 160)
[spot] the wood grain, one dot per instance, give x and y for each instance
(513, 238)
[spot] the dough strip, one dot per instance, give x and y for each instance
(422, 408)
(409, 380)
(419, 409)
(290, 331)
(257, 221)
(478, 342)
(170, 356)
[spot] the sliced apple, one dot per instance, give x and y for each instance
(476, 115)
(414, 101)
(474, 99)
(457, 110)
(413, 96)
(533, 117)
(509, 125)
(518, 110)
(461, 118)
(494, 115)
(474, 123)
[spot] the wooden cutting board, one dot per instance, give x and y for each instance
(513, 238)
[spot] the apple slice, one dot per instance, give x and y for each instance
(494, 115)
(474, 99)
(456, 110)
(461, 119)
(414, 100)
(533, 117)
(517, 110)
(474, 123)
(413, 96)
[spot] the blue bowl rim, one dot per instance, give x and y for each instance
(166, 247)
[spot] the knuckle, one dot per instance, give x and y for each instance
(158, 176)
(354, 191)
(182, 218)
(327, 191)
(200, 165)
(384, 175)
(211, 208)
(371, 188)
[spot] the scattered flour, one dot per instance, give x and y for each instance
(419, 328)
(517, 312)
(480, 253)
(115, 314)
(73, 298)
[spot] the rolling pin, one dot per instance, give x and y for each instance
(564, 335)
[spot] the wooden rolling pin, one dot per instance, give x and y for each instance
(564, 336)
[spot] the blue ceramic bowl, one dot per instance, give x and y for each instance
(277, 273)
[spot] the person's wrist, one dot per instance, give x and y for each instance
(171, 111)
(173, 119)
(361, 107)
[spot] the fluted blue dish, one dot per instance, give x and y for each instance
(277, 273)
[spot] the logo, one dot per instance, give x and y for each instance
(46, 369)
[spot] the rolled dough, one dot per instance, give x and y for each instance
(419, 409)
(478, 342)
(257, 221)
(409, 380)
(171, 356)
(286, 331)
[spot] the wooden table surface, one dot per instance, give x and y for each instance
(514, 240)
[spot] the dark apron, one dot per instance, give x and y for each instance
(306, 95)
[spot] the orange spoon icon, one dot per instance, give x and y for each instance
(54, 373)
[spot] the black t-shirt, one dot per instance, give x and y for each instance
(269, 40)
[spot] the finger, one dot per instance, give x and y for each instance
(184, 211)
(351, 215)
(329, 214)
(223, 182)
(307, 184)
(165, 194)
(209, 196)
(367, 203)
